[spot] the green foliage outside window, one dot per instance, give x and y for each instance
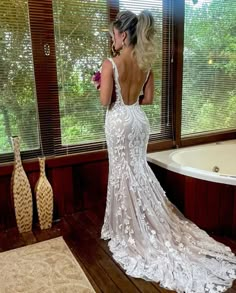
(82, 42)
(209, 91)
(18, 107)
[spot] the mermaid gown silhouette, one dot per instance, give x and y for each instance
(148, 236)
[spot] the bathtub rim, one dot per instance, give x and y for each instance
(164, 160)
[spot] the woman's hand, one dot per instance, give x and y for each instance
(96, 79)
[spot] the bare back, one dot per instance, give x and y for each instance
(131, 78)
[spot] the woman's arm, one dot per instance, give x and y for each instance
(106, 83)
(148, 91)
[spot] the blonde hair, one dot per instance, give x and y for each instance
(141, 34)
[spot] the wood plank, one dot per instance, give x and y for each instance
(3, 241)
(73, 246)
(53, 232)
(226, 209)
(29, 238)
(190, 198)
(14, 239)
(88, 252)
(7, 212)
(200, 205)
(62, 184)
(213, 206)
(117, 275)
(33, 178)
(92, 180)
(160, 173)
(94, 223)
(67, 230)
(175, 184)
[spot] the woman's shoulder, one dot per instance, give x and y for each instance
(107, 63)
(111, 62)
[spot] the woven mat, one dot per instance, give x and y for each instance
(44, 267)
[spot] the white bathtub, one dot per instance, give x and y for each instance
(214, 162)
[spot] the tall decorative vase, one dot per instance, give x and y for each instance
(44, 198)
(21, 191)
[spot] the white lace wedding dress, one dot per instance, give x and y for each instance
(149, 237)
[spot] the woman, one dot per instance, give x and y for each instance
(148, 236)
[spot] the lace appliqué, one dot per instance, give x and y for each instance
(149, 237)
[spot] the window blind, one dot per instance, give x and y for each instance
(18, 104)
(160, 113)
(49, 51)
(82, 43)
(209, 71)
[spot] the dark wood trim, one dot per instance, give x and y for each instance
(42, 33)
(32, 165)
(159, 145)
(207, 138)
(178, 6)
(58, 162)
(47, 89)
(167, 50)
(113, 6)
(88, 157)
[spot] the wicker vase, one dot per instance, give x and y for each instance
(44, 198)
(21, 191)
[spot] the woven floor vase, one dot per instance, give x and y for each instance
(21, 191)
(44, 198)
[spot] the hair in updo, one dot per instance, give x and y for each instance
(140, 33)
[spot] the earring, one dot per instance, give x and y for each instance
(113, 51)
(123, 44)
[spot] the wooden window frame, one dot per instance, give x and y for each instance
(47, 87)
(177, 87)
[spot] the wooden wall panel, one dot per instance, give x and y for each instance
(78, 183)
(33, 178)
(62, 185)
(213, 206)
(200, 216)
(7, 214)
(234, 214)
(190, 198)
(210, 205)
(175, 184)
(92, 181)
(226, 209)
(160, 174)
(172, 183)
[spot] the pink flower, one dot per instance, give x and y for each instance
(96, 79)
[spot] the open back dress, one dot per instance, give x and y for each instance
(148, 236)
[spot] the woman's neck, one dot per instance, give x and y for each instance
(127, 51)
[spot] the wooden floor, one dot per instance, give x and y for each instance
(81, 231)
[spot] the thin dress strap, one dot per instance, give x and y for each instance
(147, 77)
(116, 77)
(141, 92)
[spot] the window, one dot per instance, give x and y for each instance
(158, 113)
(50, 48)
(18, 104)
(209, 71)
(82, 42)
